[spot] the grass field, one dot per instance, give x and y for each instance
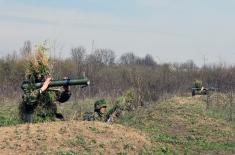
(180, 125)
(183, 126)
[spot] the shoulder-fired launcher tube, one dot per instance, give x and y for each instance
(57, 83)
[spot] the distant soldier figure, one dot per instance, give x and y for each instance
(39, 105)
(198, 88)
(100, 113)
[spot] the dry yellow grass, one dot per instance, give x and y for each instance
(50, 138)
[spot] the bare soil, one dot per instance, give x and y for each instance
(56, 137)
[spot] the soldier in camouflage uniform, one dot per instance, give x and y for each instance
(198, 88)
(39, 105)
(100, 110)
(99, 113)
(122, 104)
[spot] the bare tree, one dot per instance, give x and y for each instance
(149, 60)
(78, 57)
(26, 49)
(128, 59)
(104, 56)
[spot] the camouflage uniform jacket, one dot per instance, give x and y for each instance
(94, 116)
(43, 105)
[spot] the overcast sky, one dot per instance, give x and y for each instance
(170, 30)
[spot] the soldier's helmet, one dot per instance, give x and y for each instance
(100, 103)
(38, 66)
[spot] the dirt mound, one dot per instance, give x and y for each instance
(70, 138)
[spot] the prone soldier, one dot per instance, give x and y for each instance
(100, 112)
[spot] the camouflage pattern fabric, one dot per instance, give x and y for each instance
(37, 107)
(94, 116)
(100, 103)
(100, 117)
(123, 103)
(89, 116)
(114, 113)
(103, 117)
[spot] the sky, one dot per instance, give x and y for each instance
(169, 30)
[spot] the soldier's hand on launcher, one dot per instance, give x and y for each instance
(46, 84)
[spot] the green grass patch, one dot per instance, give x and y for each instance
(9, 114)
(61, 152)
(183, 127)
(78, 140)
(167, 139)
(222, 113)
(8, 121)
(175, 126)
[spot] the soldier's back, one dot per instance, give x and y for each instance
(93, 116)
(89, 116)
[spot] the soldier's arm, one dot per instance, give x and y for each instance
(31, 96)
(113, 113)
(45, 85)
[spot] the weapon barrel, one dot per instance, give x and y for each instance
(56, 83)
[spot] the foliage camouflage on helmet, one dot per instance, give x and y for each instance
(38, 63)
(197, 83)
(100, 103)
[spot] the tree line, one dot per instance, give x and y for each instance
(111, 75)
